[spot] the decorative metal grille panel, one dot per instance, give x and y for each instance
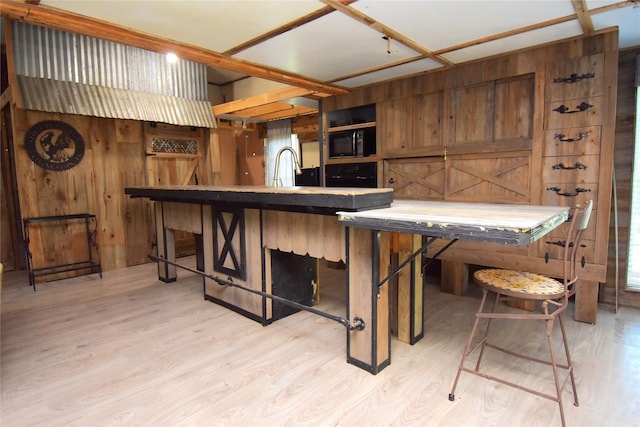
(229, 251)
(174, 146)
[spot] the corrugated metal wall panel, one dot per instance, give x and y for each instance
(75, 98)
(70, 73)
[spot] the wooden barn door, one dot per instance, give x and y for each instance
(174, 156)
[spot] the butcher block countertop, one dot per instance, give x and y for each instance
(311, 199)
(490, 222)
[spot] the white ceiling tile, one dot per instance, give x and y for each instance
(594, 4)
(627, 20)
(216, 25)
(391, 73)
(518, 41)
(327, 48)
(440, 24)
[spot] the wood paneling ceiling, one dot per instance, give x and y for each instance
(317, 48)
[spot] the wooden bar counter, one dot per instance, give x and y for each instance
(241, 226)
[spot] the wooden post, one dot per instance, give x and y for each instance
(368, 349)
(455, 277)
(586, 301)
(409, 299)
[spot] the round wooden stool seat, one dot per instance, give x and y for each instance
(519, 284)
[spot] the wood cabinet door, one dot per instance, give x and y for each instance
(514, 108)
(503, 178)
(427, 121)
(472, 114)
(411, 125)
(494, 178)
(493, 112)
(393, 120)
(417, 179)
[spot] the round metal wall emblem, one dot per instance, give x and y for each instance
(54, 145)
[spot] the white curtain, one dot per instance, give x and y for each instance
(278, 136)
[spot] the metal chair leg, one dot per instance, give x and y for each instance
(569, 362)
(554, 366)
(468, 349)
(486, 332)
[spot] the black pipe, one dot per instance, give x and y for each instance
(358, 322)
(433, 258)
(407, 261)
(424, 247)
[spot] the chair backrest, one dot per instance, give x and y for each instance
(579, 222)
(582, 216)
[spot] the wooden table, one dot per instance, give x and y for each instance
(487, 222)
(242, 225)
(429, 221)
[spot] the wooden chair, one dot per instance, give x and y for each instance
(512, 285)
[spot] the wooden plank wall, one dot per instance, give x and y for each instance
(250, 157)
(623, 158)
(223, 159)
(115, 157)
(522, 63)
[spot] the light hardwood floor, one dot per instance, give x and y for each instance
(130, 350)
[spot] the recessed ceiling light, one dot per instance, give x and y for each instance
(172, 58)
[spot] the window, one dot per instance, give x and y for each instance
(633, 262)
(279, 136)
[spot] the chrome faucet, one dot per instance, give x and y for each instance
(276, 173)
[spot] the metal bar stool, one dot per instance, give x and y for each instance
(512, 285)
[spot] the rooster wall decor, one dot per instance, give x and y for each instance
(54, 145)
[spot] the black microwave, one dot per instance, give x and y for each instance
(352, 143)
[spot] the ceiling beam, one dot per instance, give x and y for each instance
(295, 111)
(506, 34)
(584, 17)
(257, 100)
(614, 6)
(273, 107)
(537, 26)
(281, 30)
(66, 21)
